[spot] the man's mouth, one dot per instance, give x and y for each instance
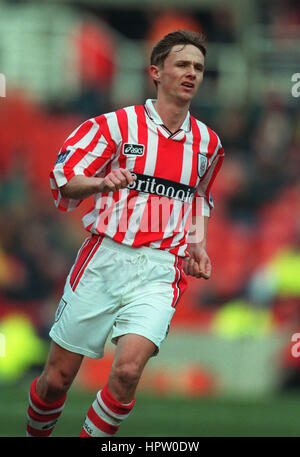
(189, 85)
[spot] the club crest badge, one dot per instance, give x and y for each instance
(202, 164)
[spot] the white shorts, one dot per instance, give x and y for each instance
(116, 287)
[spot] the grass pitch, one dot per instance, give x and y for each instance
(166, 416)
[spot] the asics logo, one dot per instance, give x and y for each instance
(133, 149)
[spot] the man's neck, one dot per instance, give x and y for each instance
(171, 114)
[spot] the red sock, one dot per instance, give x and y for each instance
(41, 416)
(105, 415)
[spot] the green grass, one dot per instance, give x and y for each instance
(167, 416)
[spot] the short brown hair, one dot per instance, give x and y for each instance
(162, 49)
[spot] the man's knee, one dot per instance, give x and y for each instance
(53, 383)
(127, 374)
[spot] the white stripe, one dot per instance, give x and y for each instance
(87, 138)
(90, 157)
(134, 222)
(108, 411)
(86, 241)
(140, 202)
(41, 425)
(81, 144)
(90, 218)
(113, 127)
(92, 430)
(215, 153)
(53, 184)
(100, 211)
(178, 237)
(117, 213)
(172, 223)
(187, 164)
(181, 250)
(205, 138)
(42, 412)
(132, 134)
(117, 208)
(106, 417)
(152, 145)
(178, 281)
(83, 267)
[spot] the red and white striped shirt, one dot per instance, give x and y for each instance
(174, 171)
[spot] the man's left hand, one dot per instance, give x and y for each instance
(198, 264)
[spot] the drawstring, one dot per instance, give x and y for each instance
(141, 260)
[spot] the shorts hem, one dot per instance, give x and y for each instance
(76, 349)
(140, 333)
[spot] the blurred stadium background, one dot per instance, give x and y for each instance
(228, 362)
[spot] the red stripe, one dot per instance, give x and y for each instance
(139, 165)
(83, 255)
(84, 434)
(162, 167)
(99, 163)
(180, 283)
(108, 152)
(196, 148)
(113, 404)
(122, 119)
(183, 281)
(217, 167)
(35, 432)
(42, 417)
(40, 404)
(100, 423)
(92, 252)
(213, 142)
(78, 155)
(104, 128)
(81, 132)
(174, 284)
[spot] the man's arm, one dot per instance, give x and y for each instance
(198, 264)
(80, 186)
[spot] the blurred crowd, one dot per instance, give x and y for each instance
(254, 234)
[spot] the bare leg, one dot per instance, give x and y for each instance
(116, 400)
(132, 353)
(58, 374)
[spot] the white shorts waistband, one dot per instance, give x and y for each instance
(156, 254)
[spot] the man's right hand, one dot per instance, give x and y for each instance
(116, 180)
(80, 186)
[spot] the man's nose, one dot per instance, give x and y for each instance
(192, 72)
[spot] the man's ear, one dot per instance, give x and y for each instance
(154, 73)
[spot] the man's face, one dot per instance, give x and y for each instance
(182, 73)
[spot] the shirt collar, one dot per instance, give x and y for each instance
(155, 117)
